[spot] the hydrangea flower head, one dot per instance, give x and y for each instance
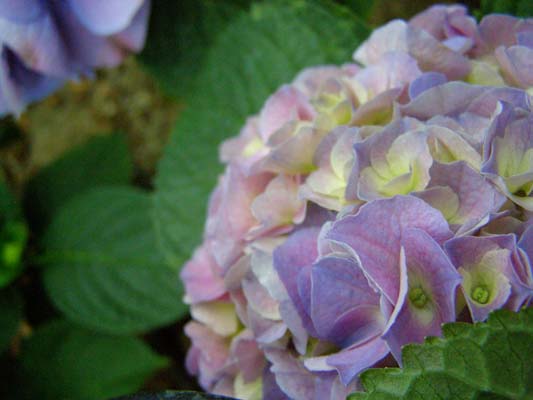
(364, 206)
(45, 43)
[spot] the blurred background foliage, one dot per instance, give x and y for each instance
(92, 237)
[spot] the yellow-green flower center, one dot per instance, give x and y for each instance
(418, 297)
(480, 294)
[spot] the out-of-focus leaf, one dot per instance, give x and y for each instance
(518, 8)
(8, 130)
(103, 160)
(13, 237)
(102, 267)
(10, 316)
(180, 32)
(362, 8)
(62, 361)
(489, 360)
(258, 52)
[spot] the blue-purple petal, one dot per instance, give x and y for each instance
(374, 235)
(297, 253)
(105, 17)
(344, 308)
(424, 82)
(430, 272)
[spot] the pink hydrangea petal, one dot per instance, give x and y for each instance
(278, 207)
(393, 70)
(501, 30)
(390, 37)
(434, 56)
(210, 356)
(234, 218)
(202, 277)
(259, 299)
(247, 356)
(379, 110)
(284, 106)
(517, 65)
(434, 18)
(311, 79)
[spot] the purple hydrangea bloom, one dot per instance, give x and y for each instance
(363, 207)
(45, 43)
(509, 153)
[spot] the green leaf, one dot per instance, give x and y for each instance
(489, 360)
(13, 237)
(62, 361)
(102, 266)
(518, 8)
(174, 395)
(257, 53)
(10, 316)
(103, 160)
(362, 8)
(180, 32)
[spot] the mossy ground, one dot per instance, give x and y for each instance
(125, 99)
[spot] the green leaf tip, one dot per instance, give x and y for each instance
(489, 360)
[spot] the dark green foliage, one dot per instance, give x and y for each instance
(257, 53)
(179, 36)
(518, 8)
(489, 360)
(8, 131)
(13, 237)
(362, 8)
(103, 160)
(61, 361)
(102, 267)
(10, 316)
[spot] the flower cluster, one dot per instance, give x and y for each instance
(45, 43)
(364, 206)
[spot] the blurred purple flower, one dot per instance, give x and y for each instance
(44, 43)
